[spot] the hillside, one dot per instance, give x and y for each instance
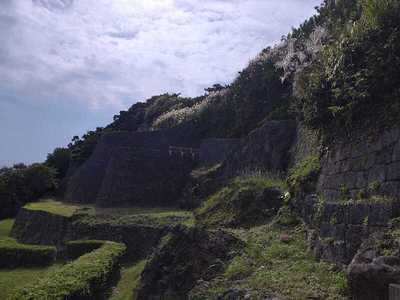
(284, 184)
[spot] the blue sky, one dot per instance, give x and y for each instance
(68, 66)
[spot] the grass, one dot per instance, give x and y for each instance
(5, 227)
(54, 207)
(11, 280)
(242, 201)
(130, 276)
(277, 261)
(79, 278)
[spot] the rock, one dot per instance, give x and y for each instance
(370, 274)
(182, 259)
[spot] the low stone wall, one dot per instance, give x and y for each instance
(40, 227)
(338, 229)
(362, 163)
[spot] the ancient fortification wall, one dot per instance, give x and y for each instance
(361, 164)
(214, 150)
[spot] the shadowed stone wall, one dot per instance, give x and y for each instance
(362, 163)
(134, 168)
(213, 151)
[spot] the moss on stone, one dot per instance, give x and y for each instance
(54, 207)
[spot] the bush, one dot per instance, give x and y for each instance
(248, 200)
(14, 254)
(303, 177)
(22, 184)
(355, 82)
(88, 277)
(75, 249)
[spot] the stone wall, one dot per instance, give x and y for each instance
(214, 150)
(360, 164)
(338, 229)
(134, 168)
(264, 149)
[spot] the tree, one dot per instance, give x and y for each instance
(59, 160)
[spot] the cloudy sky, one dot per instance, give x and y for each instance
(67, 66)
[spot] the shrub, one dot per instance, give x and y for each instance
(246, 201)
(75, 249)
(87, 277)
(303, 176)
(14, 254)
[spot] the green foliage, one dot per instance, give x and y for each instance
(14, 254)
(59, 160)
(13, 279)
(302, 177)
(85, 277)
(242, 202)
(22, 184)
(54, 207)
(355, 82)
(130, 277)
(278, 261)
(5, 227)
(82, 148)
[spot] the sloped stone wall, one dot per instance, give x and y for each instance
(338, 229)
(360, 164)
(134, 168)
(215, 150)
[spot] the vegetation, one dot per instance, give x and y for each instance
(21, 184)
(302, 177)
(54, 207)
(85, 277)
(277, 261)
(130, 276)
(13, 254)
(354, 83)
(13, 279)
(246, 201)
(59, 160)
(5, 227)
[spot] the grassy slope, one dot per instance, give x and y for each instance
(13, 279)
(130, 276)
(277, 261)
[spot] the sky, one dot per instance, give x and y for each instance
(68, 66)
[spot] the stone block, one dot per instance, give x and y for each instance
(393, 171)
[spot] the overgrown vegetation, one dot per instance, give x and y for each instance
(130, 276)
(85, 277)
(22, 184)
(302, 177)
(75, 249)
(247, 200)
(354, 83)
(277, 262)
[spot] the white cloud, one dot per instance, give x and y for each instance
(113, 52)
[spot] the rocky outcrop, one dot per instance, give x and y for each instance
(370, 273)
(265, 149)
(184, 257)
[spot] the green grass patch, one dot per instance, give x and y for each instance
(14, 254)
(245, 201)
(303, 176)
(54, 207)
(150, 218)
(11, 280)
(88, 276)
(278, 261)
(5, 227)
(130, 276)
